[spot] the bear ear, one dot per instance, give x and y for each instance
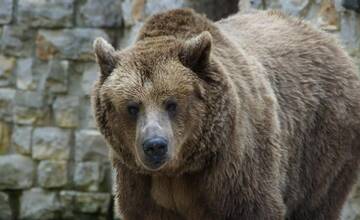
(195, 53)
(105, 56)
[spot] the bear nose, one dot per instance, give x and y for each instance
(155, 148)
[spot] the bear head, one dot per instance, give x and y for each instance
(150, 101)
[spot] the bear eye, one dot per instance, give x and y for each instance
(133, 109)
(171, 106)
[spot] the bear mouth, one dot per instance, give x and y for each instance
(155, 163)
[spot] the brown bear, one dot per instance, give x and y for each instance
(256, 116)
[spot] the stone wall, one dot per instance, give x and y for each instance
(53, 162)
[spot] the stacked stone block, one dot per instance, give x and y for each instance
(53, 162)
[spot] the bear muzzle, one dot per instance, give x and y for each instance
(155, 152)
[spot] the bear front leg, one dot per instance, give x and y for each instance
(235, 192)
(133, 197)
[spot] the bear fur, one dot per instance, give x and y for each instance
(271, 129)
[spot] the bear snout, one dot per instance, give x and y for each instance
(155, 151)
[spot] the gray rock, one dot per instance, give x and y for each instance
(21, 139)
(75, 44)
(88, 175)
(31, 116)
(85, 202)
(294, 7)
(52, 77)
(67, 201)
(16, 172)
(350, 30)
(7, 96)
(126, 7)
(92, 202)
(93, 13)
(129, 35)
(351, 5)
(113, 178)
(350, 34)
(90, 146)
(66, 111)
(6, 11)
(7, 65)
(17, 40)
(40, 69)
(86, 116)
(152, 7)
(57, 76)
(33, 99)
(39, 204)
(37, 13)
(351, 210)
(246, 4)
(51, 143)
(75, 78)
(6, 212)
(258, 4)
(5, 137)
(90, 75)
(24, 76)
(52, 174)
(338, 5)
(272, 4)
(214, 9)
(137, 11)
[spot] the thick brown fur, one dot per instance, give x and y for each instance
(271, 129)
